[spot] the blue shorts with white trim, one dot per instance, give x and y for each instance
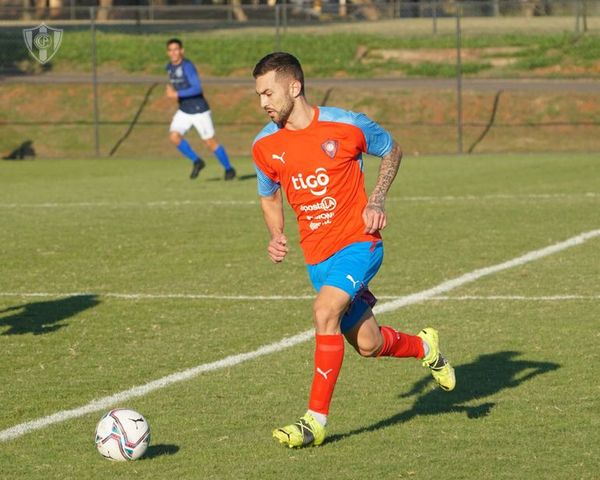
(350, 269)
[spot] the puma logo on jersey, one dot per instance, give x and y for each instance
(278, 157)
(354, 282)
(324, 373)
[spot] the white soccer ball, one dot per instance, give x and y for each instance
(122, 435)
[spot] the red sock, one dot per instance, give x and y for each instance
(329, 354)
(398, 344)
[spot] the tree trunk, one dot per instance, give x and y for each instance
(527, 8)
(104, 9)
(40, 8)
(238, 11)
(55, 8)
(26, 10)
(368, 10)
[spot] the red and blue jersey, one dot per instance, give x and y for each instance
(320, 169)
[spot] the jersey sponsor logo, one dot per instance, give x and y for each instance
(327, 204)
(316, 184)
(330, 148)
(278, 157)
(321, 216)
(179, 71)
(324, 218)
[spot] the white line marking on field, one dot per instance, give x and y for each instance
(161, 203)
(541, 298)
(121, 397)
(183, 203)
(497, 196)
(200, 296)
(160, 296)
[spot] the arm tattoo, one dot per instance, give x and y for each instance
(387, 172)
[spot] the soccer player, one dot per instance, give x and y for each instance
(193, 110)
(315, 155)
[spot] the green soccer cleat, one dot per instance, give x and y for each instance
(442, 371)
(306, 432)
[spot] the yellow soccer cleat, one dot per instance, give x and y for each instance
(442, 371)
(306, 432)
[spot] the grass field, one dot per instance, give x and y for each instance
(108, 246)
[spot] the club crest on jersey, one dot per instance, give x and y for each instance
(179, 72)
(330, 148)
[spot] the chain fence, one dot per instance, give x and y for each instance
(99, 88)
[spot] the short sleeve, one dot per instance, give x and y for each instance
(378, 139)
(266, 186)
(267, 178)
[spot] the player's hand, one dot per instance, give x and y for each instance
(171, 92)
(374, 218)
(278, 248)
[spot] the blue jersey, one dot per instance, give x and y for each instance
(185, 80)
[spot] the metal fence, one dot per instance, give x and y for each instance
(242, 11)
(80, 105)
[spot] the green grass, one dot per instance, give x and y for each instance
(324, 52)
(327, 55)
(526, 402)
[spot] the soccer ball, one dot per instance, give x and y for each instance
(122, 435)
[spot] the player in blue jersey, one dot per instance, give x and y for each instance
(193, 110)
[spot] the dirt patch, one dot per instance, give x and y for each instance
(496, 56)
(568, 70)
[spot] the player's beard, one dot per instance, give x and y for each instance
(285, 112)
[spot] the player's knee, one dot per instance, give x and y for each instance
(368, 349)
(212, 143)
(326, 316)
(366, 345)
(175, 138)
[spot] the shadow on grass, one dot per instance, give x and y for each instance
(239, 178)
(484, 377)
(251, 176)
(160, 450)
(43, 317)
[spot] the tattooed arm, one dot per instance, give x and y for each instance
(374, 213)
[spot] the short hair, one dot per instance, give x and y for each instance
(174, 40)
(280, 62)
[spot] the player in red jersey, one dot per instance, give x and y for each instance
(314, 154)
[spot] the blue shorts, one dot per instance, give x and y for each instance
(350, 269)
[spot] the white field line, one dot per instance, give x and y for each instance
(183, 203)
(161, 296)
(200, 296)
(483, 272)
(125, 395)
(496, 196)
(533, 298)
